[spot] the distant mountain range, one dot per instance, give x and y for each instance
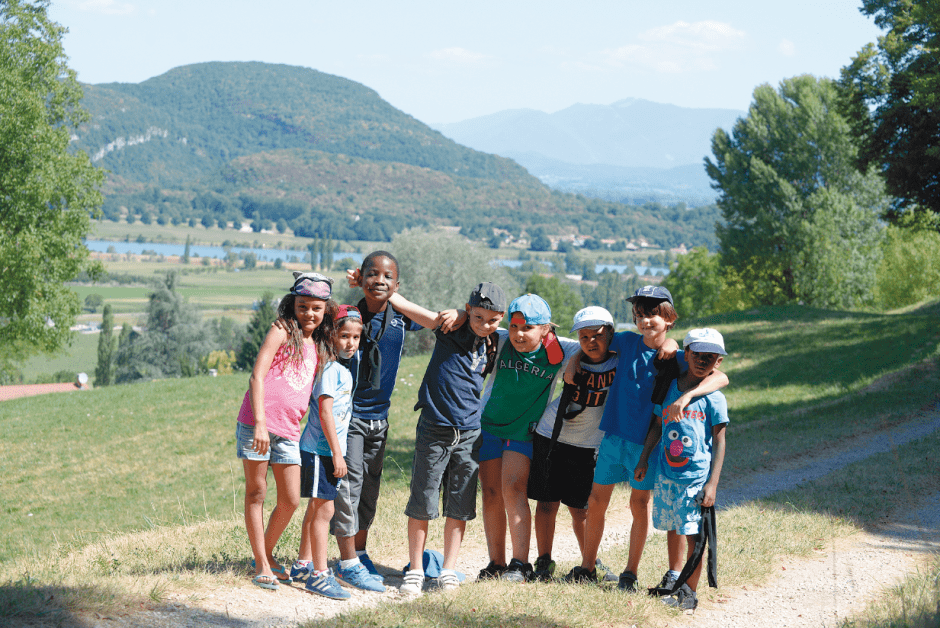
(632, 150)
(319, 154)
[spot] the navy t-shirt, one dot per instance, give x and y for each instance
(370, 404)
(450, 390)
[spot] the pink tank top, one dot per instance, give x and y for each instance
(286, 394)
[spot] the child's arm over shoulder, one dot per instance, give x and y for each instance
(718, 459)
(269, 348)
(420, 315)
(716, 380)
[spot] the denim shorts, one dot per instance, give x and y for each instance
(493, 447)
(316, 477)
(280, 451)
(616, 461)
(675, 506)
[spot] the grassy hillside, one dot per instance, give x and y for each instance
(127, 457)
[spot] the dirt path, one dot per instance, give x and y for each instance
(818, 591)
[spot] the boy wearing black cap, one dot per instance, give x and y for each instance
(447, 442)
(689, 451)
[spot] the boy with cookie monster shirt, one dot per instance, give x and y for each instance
(690, 452)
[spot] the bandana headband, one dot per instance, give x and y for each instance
(313, 285)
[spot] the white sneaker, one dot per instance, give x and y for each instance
(413, 584)
(448, 580)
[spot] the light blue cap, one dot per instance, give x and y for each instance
(533, 307)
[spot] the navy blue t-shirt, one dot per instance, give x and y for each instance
(450, 390)
(370, 404)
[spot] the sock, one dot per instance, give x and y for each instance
(300, 564)
(317, 574)
(673, 574)
(419, 572)
(448, 571)
(361, 553)
(346, 564)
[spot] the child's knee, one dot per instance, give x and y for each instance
(547, 508)
(255, 494)
(640, 499)
(288, 501)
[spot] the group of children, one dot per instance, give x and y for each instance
(487, 416)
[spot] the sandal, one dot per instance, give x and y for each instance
(265, 582)
(279, 572)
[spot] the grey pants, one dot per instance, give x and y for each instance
(355, 504)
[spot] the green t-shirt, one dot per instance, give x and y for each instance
(521, 387)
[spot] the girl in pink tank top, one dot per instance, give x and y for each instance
(268, 427)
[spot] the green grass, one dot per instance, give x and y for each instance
(139, 490)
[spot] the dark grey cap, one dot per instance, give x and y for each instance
(488, 296)
(652, 292)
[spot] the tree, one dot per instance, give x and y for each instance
(172, 345)
(93, 302)
(185, 258)
(258, 328)
(47, 191)
(695, 282)
(891, 94)
(910, 270)
(106, 349)
(800, 222)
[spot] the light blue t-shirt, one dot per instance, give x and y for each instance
(685, 448)
(336, 382)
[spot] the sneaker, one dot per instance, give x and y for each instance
(300, 571)
(627, 582)
(357, 576)
(491, 571)
(667, 581)
(369, 565)
(448, 580)
(684, 599)
(413, 584)
(580, 575)
(609, 575)
(327, 586)
(517, 571)
(544, 568)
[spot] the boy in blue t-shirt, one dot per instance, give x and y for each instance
(447, 437)
(689, 451)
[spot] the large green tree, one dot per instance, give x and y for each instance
(107, 347)
(46, 190)
(892, 97)
(800, 221)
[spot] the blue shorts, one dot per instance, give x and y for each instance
(616, 462)
(316, 477)
(675, 506)
(280, 451)
(493, 447)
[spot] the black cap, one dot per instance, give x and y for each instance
(488, 296)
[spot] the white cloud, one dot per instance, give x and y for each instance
(458, 55)
(786, 47)
(107, 7)
(678, 47)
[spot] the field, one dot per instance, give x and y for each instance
(139, 483)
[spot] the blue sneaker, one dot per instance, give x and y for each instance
(327, 586)
(370, 567)
(357, 576)
(299, 571)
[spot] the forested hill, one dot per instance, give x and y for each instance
(196, 118)
(286, 146)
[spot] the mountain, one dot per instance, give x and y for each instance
(223, 143)
(598, 147)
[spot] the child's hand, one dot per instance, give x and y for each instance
(339, 467)
(674, 410)
(669, 349)
(449, 320)
(640, 472)
(284, 324)
(708, 494)
(261, 442)
(574, 367)
(353, 277)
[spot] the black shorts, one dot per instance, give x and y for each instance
(316, 477)
(567, 477)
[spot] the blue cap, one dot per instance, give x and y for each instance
(533, 307)
(652, 292)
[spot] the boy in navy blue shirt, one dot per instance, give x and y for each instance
(447, 443)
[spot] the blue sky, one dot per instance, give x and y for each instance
(445, 61)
